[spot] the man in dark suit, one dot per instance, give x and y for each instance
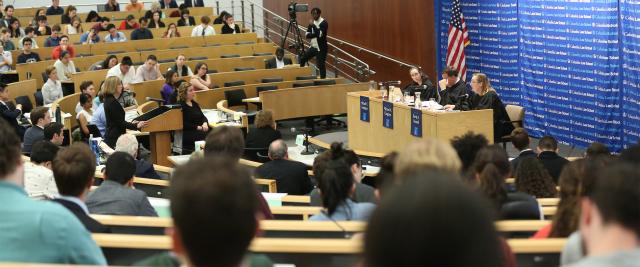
(279, 61)
(9, 111)
(194, 3)
(455, 92)
(116, 195)
(548, 155)
(168, 4)
(317, 31)
(291, 176)
(39, 117)
(73, 170)
(520, 140)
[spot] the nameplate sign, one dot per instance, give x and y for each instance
(364, 108)
(387, 114)
(416, 122)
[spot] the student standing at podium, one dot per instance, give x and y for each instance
(116, 125)
(195, 124)
(420, 83)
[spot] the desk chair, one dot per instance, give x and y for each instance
(516, 117)
(303, 78)
(24, 100)
(272, 80)
(243, 69)
(265, 88)
(234, 83)
(38, 97)
(234, 98)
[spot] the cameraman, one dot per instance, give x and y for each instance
(317, 32)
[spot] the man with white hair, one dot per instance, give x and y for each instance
(127, 143)
(291, 176)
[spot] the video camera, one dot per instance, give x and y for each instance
(297, 8)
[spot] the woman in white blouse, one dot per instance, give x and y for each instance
(65, 67)
(75, 27)
(52, 89)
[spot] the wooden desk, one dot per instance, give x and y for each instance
(373, 137)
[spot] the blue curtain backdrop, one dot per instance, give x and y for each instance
(575, 67)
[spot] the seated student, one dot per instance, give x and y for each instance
(65, 66)
(195, 124)
(181, 68)
(204, 29)
(124, 71)
(467, 146)
(456, 89)
(93, 16)
(227, 141)
(128, 143)
(134, 6)
(201, 80)
(38, 178)
(186, 19)
(291, 176)
(36, 231)
(532, 178)
(5, 37)
(608, 222)
(8, 17)
(27, 56)
(142, 33)
(279, 61)
(102, 24)
(149, 71)
(485, 97)
(90, 37)
(520, 140)
(548, 155)
(169, 89)
(69, 14)
(9, 111)
(74, 169)
(54, 39)
(55, 8)
(64, 46)
(105, 64)
(492, 168)
(30, 33)
(411, 214)
(597, 149)
(154, 7)
(52, 88)
(116, 195)
(230, 27)
(114, 36)
(74, 28)
(203, 190)
(86, 87)
(111, 6)
(429, 153)
(99, 119)
(362, 193)
(39, 118)
(156, 21)
(168, 4)
(264, 132)
(172, 31)
(6, 60)
(420, 83)
(336, 189)
(130, 23)
(85, 115)
(221, 17)
(53, 132)
(42, 29)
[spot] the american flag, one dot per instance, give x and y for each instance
(458, 39)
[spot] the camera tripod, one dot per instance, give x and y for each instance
(294, 30)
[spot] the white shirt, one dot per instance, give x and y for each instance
(127, 78)
(144, 74)
(39, 182)
(6, 56)
(314, 41)
(279, 63)
(51, 91)
(71, 29)
(64, 71)
(86, 115)
(208, 31)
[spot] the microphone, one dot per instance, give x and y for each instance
(148, 98)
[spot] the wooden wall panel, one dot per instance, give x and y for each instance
(401, 29)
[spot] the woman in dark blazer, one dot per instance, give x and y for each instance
(265, 131)
(195, 125)
(114, 113)
(485, 97)
(229, 26)
(156, 21)
(185, 19)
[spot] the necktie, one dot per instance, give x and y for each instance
(203, 30)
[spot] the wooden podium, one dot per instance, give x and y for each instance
(159, 129)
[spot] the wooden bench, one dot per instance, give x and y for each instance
(23, 88)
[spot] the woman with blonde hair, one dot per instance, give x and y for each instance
(265, 131)
(116, 124)
(195, 125)
(485, 97)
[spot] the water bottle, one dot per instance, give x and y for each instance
(93, 144)
(418, 101)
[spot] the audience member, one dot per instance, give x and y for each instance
(38, 178)
(149, 71)
(54, 133)
(455, 90)
(172, 31)
(169, 90)
(15, 31)
(130, 23)
(27, 56)
(195, 125)
(142, 33)
(54, 39)
(291, 176)
(548, 155)
(467, 146)
(134, 6)
(409, 228)
(336, 190)
(55, 8)
(265, 131)
(181, 68)
(124, 71)
(52, 88)
(114, 112)
(90, 37)
(25, 220)
(631, 154)
(64, 66)
(111, 6)
(186, 19)
(221, 17)
(533, 179)
(317, 32)
(168, 4)
(99, 119)
(69, 14)
(85, 115)
(74, 169)
(420, 83)
(75, 27)
(385, 177)
(39, 117)
(279, 61)
(116, 195)
(8, 16)
(154, 7)
(429, 153)
(5, 37)
(597, 149)
(29, 32)
(129, 144)
(39, 12)
(86, 87)
(64, 46)
(42, 29)
(520, 140)
(230, 27)
(7, 60)
(204, 29)
(201, 80)
(9, 111)
(363, 193)
(102, 24)
(93, 16)
(156, 20)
